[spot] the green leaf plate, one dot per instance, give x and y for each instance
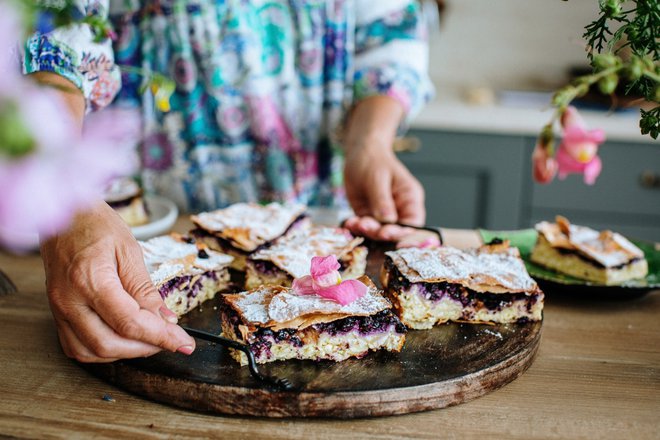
(525, 239)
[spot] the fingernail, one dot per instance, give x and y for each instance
(186, 349)
(168, 315)
(429, 242)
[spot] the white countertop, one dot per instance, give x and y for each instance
(516, 113)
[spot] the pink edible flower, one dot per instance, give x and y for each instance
(10, 71)
(48, 170)
(579, 147)
(325, 271)
(326, 281)
(544, 165)
(66, 172)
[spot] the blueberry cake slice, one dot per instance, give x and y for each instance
(485, 285)
(125, 197)
(603, 257)
(278, 324)
(244, 228)
(185, 273)
(289, 256)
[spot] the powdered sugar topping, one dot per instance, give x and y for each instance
(261, 223)
(273, 304)
(294, 252)
(167, 257)
(253, 305)
(473, 268)
(607, 248)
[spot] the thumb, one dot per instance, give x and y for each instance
(381, 202)
(137, 282)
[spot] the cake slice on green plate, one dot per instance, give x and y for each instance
(603, 257)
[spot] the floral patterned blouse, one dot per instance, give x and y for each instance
(261, 87)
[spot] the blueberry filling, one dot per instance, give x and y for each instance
(195, 288)
(183, 283)
(231, 317)
(467, 297)
(266, 267)
(202, 254)
(594, 262)
(173, 284)
(365, 325)
(263, 339)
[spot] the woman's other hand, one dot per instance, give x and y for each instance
(379, 187)
(101, 296)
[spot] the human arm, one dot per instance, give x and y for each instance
(378, 186)
(69, 94)
(391, 85)
(104, 304)
(103, 301)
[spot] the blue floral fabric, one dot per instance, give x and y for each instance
(261, 88)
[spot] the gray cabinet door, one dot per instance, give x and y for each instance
(625, 197)
(471, 180)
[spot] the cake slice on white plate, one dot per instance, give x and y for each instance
(125, 196)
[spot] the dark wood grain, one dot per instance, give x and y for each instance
(6, 284)
(445, 366)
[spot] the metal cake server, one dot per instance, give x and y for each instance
(279, 383)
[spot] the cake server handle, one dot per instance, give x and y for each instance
(435, 230)
(280, 383)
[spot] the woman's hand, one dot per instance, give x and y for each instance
(379, 187)
(103, 301)
(381, 190)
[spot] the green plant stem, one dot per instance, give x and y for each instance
(652, 75)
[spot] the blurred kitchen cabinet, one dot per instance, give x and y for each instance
(625, 197)
(471, 180)
(483, 180)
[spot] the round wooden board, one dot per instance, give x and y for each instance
(444, 366)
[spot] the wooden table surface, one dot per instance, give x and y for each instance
(596, 375)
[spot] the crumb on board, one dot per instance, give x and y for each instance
(493, 333)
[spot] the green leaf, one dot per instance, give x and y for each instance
(15, 139)
(649, 122)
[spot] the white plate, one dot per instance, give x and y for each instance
(162, 215)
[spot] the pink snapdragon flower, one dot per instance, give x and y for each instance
(48, 169)
(577, 152)
(579, 147)
(326, 281)
(10, 33)
(66, 173)
(544, 165)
